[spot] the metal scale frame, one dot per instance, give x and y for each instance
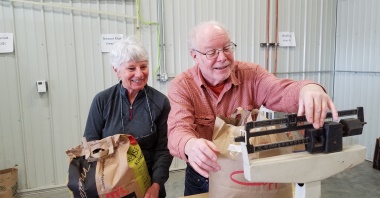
(324, 154)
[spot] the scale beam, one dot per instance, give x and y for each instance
(326, 139)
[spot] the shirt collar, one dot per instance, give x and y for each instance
(233, 79)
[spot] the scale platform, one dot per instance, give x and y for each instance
(302, 168)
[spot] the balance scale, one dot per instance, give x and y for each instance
(324, 156)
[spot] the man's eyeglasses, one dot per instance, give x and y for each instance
(213, 54)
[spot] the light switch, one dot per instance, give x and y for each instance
(41, 86)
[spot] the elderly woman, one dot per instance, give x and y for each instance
(132, 107)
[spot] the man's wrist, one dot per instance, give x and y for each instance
(188, 146)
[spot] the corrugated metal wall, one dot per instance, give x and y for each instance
(62, 45)
(357, 69)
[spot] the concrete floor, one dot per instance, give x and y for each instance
(360, 181)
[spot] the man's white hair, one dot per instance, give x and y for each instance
(194, 32)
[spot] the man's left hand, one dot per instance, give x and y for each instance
(314, 103)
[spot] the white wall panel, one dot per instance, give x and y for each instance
(357, 73)
(358, 44)
(313, 23)
(11, 125)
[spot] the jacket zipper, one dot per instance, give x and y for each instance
(130, 112)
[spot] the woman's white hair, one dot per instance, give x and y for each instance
(194, 32)
(126, 50)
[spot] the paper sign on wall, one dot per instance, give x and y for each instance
(287, 39)
(6, 42)
(107, 41)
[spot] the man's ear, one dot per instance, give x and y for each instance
(193, 54)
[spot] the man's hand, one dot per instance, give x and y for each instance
(314, 104)
(153, 191)
(201, 155)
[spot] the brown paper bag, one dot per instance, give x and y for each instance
(229, 181)
(112, 167)
(8, 182)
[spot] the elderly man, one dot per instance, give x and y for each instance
(216, 85)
